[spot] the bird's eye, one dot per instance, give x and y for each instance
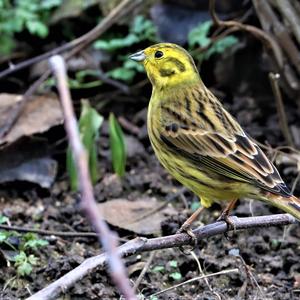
(158, 54)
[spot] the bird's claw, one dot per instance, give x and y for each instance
(189, 232)
(230, 224)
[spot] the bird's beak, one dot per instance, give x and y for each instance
(138, 56)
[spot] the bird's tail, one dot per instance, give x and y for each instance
(290, 205)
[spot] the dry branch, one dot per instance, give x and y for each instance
(107, 238)
(140, 245)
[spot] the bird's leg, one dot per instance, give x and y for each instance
(225, 214)
(186, 226)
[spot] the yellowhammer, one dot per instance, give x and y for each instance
(199, 142)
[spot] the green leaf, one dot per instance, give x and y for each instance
(176, 276)
(122, 73)
(220, 46)
(3, 236)
(199, 35)
(117, 146)
(173, 263)
(33, 260)
(35, 244)
(24, 268)
(116, 43)
(157, 269)
(20, 258)
(3, 219)
(89, 124)
(49, 4)
(144, 29)
(24, 263)
(36, 27)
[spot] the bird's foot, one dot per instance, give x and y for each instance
(187, 229)
(230, 224)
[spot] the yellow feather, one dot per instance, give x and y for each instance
(199, 142)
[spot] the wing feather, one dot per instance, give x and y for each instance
(234, 156)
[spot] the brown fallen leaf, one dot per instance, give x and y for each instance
(39, 114)
(27, 160)
(129, 214)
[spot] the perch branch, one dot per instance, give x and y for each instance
(107, 238)
(140, 245)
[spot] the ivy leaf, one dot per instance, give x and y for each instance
(157, 269)
(173, 263)
(25, 268)
(176, 276)
(122, 73)
(35, 244)
(3, 236)
(116, 43)
(3, 219)
(199, 35)
(117, 146)
(221, 45)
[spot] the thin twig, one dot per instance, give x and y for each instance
(108, 239)
(280, 108)
(140, 245)
(224, 272)
(267, 40)
(145, 269)
(49, 232)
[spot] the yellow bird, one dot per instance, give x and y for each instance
(198, 141)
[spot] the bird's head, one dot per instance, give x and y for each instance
(167, 65)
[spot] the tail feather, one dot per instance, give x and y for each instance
(290, 205)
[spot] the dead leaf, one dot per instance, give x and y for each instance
(39, 114)
(129, 214)
(27, 160)
(41, 171)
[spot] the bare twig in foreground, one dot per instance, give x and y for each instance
(88, 203)
(140, 245)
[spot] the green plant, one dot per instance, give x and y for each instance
(199, 37)
(157, 269)
(23, 15)
(23, 259)
(24, 263)
(89, 124)
(117, 146)
(140, 30)
(3, 219)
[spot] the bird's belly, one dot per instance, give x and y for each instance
(204, 183)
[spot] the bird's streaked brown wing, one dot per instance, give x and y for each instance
(234, 156)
